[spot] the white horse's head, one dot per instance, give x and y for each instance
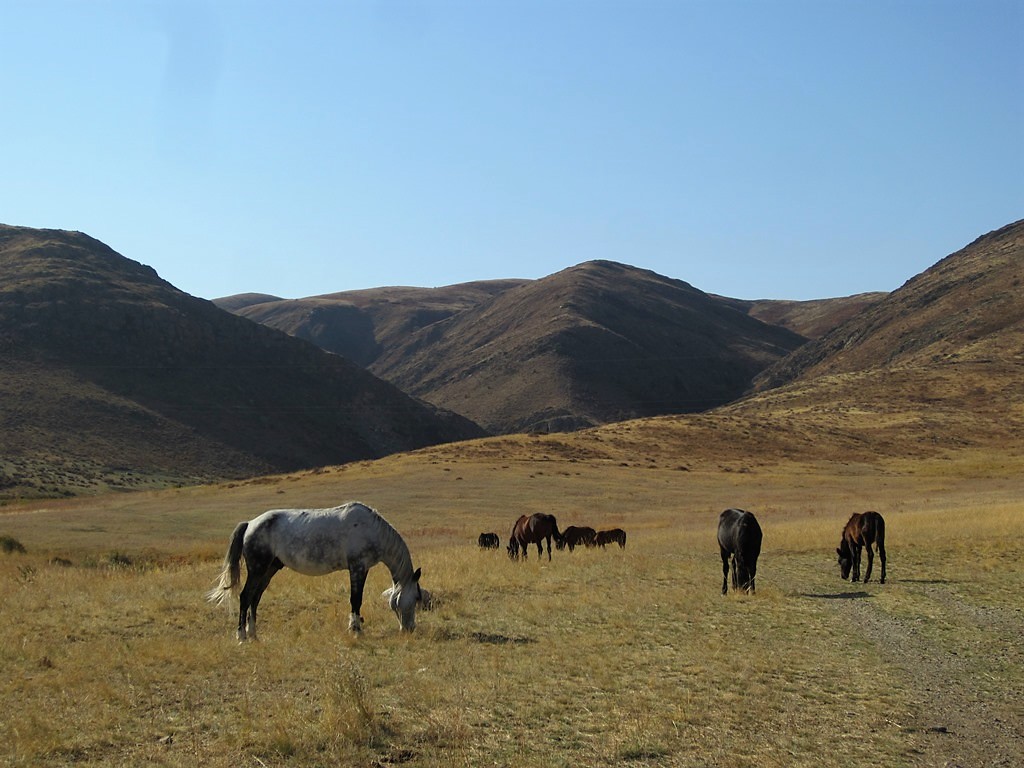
(403, 599)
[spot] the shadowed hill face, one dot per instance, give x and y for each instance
(118, 341)
(594, 343)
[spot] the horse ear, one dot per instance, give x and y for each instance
(416, 576)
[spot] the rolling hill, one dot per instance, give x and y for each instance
(361, 325)
(811, 319)
(110, 376)
(967, 308)
(933, 371)
(595, 343)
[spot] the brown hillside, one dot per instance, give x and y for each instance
(811, 319)
(239, 302)
(968, 308)
(595, 343)
(109, 372)
(933, 372)
(359, 325)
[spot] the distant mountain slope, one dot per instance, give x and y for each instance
(968, 307)
(937, 367)
(595, 343)
(359, 325)
(239, 302)
(935, 371)
(811, 319)
(108, 371)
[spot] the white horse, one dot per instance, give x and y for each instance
(315, 542)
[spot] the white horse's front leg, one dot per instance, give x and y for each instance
(357, 574)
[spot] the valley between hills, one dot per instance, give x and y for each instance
(112, 378)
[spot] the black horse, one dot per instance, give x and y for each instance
(488, 541)
(861, 531)
(739, 539)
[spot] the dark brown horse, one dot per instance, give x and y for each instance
(575, 535)
(612, 536)
(739, 539)
(861, 532)
(533, 529)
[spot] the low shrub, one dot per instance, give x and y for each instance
(9, 544)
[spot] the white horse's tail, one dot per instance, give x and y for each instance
(231, 573)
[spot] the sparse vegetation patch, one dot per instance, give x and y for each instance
(9, 544)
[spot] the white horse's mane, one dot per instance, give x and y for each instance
(397, 558)
(395, 553)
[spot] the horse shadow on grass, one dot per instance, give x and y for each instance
(838, 595)
(489, 638)
(492, 638)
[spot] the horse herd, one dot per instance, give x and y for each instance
(354, 537)
(541, 527)
(739, 540)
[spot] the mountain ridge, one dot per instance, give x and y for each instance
(549, 354)
(931, 370)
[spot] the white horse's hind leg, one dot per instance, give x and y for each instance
(355, 622)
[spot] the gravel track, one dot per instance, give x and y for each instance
(968, 715)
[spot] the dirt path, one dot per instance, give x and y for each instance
(968, 715)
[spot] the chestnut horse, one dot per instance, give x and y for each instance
(533, 529)
(739, 539)
(862, 530)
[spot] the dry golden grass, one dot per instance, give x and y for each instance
(597, 658)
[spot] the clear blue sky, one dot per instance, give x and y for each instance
(788, 149)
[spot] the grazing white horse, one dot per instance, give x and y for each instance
(315, 542)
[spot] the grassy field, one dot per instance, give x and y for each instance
(615, 657)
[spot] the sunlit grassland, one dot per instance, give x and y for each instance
(596, 658)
